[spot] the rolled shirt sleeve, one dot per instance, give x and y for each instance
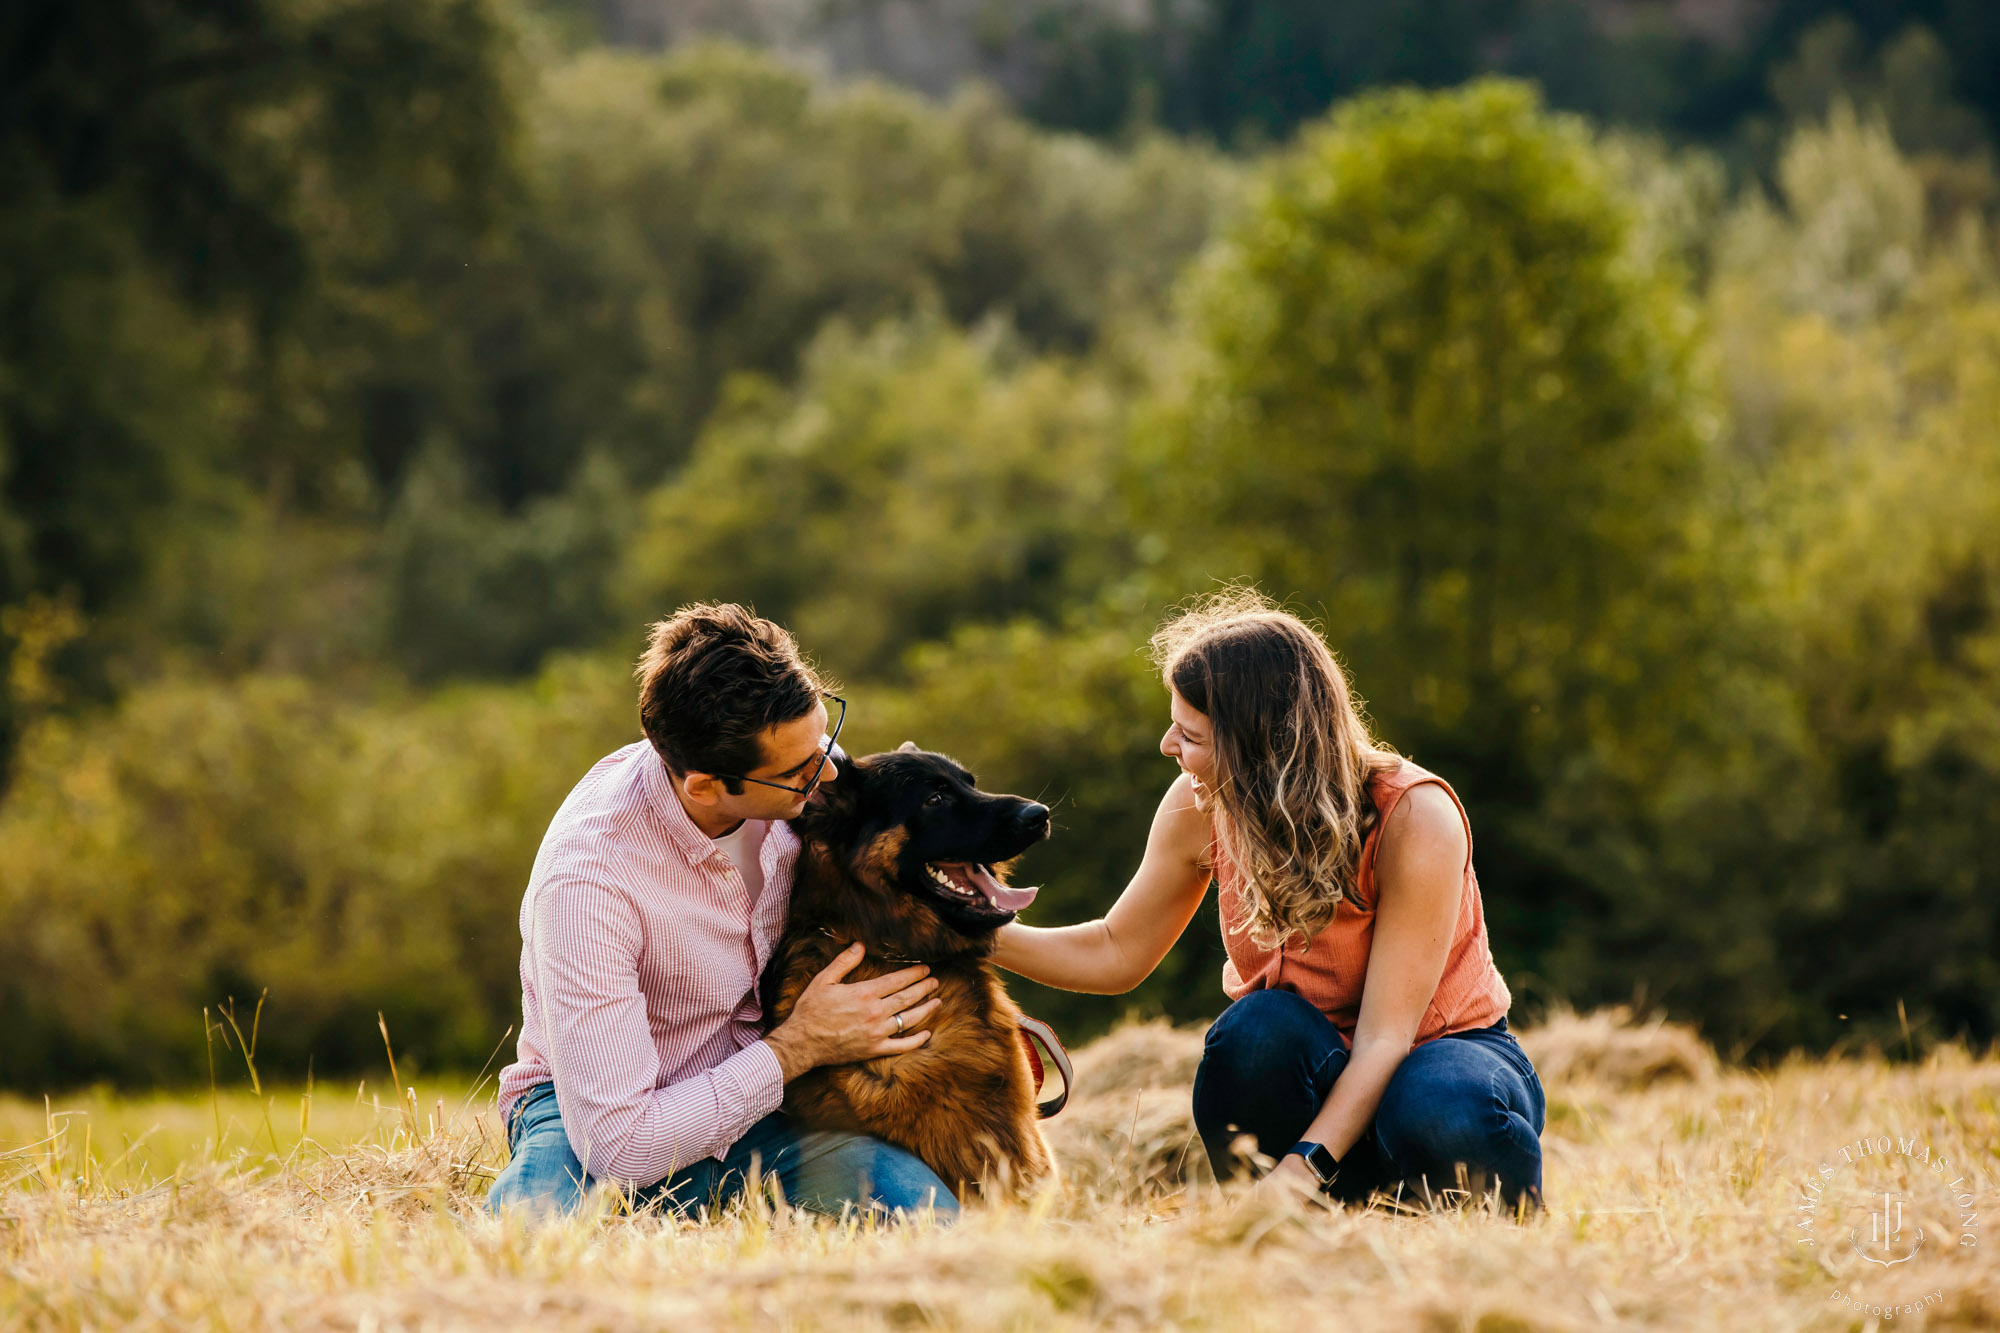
(586, 945)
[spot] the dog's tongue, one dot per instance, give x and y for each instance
(1002, 896)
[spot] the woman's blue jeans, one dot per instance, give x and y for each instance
(1470, 1099)
(826, 1171)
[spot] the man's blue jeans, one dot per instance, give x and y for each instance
(825, 1171)
(1472, 1098)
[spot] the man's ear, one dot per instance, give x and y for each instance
(906, 745)
(701, 788)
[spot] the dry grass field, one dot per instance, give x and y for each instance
(1674, 1202)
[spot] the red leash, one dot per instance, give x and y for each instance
(1047, 1057)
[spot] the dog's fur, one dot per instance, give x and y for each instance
(963, 1102)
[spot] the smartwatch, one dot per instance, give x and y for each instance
(1323, 1164)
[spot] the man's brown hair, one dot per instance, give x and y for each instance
(713, 677)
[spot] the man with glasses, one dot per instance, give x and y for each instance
(655, 901)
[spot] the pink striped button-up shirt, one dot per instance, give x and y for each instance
(640, 953)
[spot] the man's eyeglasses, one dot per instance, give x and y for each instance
(831, 750)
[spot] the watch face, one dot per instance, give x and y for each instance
(1322, 1162)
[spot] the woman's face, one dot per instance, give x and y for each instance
(1190, 742)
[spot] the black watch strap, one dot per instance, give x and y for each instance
(1323, 1164)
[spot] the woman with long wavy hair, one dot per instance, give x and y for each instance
(1366, 1045)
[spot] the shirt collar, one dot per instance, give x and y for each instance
(681, 829)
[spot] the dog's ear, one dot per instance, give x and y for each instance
(833, 813)
(906, 745)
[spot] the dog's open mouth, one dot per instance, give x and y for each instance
(977, 884)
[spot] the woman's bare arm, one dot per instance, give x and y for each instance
(1116, 952)
(1419, 875)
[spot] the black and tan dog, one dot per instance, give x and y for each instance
(899, 854)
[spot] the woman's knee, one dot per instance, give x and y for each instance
(1268, 1034)
(1455, 1127)
(1266, 1066)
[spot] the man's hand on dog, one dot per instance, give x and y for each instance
(837, 1023)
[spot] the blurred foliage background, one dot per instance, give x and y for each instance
(1617, 384)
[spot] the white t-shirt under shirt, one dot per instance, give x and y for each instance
(744, 847)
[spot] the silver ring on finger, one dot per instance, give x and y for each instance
(899, 1025)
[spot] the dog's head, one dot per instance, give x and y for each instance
(916, 832)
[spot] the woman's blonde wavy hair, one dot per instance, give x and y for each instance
(1293, 756)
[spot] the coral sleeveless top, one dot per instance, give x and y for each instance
(1329, 971)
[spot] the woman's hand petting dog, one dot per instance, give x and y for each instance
(836, 1023)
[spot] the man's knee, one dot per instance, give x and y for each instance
(543, 1178)
(835, 1171)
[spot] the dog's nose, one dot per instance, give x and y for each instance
(1034, 817)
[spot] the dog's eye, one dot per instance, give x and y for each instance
(936, 798)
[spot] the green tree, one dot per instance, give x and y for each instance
(207, 839)
(1861, 333)
(917, 479)
(168, 174)
(1449, 398)
(1447, 393)
(684, 219)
